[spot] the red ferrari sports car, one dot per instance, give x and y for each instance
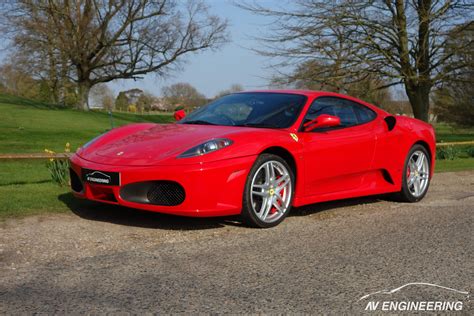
(257, 154)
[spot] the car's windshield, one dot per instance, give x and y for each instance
(253, 109)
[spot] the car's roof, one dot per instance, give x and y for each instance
(308, 93)
(316, 93)
(290, 91)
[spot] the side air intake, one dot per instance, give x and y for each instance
(391, 122)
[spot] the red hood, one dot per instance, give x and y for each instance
(152, 144)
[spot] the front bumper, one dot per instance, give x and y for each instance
(212, 189)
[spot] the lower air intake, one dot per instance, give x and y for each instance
(76, 184)
(164, 193)
(167, 193)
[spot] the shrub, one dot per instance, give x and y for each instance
(132, 108)
(59, 168)
(447, 153)
(470, 151)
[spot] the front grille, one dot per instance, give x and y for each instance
(167, 193)
(76, 184)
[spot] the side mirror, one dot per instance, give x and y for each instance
(179, 115)
(324, 120)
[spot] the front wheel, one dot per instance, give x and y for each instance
(268, 192)
(416, 175)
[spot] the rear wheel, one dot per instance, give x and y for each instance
(416, 175)
(268, 192)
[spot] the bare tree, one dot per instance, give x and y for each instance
(404, 41)
(454, 100)
(102, 96)
(232, 89)
(313, 75)
(183, 94)
(104, 40)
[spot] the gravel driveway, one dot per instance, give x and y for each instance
(321, 259)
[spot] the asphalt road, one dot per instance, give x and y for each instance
(322, 259)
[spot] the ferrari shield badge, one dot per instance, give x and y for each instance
(294, 136)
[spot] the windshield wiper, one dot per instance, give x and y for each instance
(258, 125)
(198, 122)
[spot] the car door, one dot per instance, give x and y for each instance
(337, 158)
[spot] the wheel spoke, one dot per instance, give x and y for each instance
(268, 207)
(262, 207)
(278, 207)
(411, 179)
(417, 186)
(284, 184)
(259, 193)
(272, 172)
(412, 165)
(267, 173)
(279, 199)
(419, 162)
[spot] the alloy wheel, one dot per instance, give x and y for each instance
(271, 191)
(418, 172)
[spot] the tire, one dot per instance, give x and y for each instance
(409, 192)
(267, 200)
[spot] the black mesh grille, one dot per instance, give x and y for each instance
(76, 184)
(167, 193)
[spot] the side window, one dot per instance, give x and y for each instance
(350, 113)
(321, 106)
(347, 115)
(364, 114)
(332, 106)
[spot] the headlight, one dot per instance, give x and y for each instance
(207, 147)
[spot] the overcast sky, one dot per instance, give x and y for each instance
(213, 71)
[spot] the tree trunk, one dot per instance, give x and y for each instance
(63, 80)
(419, 97)
(84, 89)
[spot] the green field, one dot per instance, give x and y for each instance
(30, 127)
(446, 133)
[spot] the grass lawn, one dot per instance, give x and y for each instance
(446, 133)
(30, 127)
(26, 188)
(454, 165)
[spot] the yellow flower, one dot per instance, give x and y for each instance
(51, 159)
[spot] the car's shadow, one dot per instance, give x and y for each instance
(132, 217)
(327, 206)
